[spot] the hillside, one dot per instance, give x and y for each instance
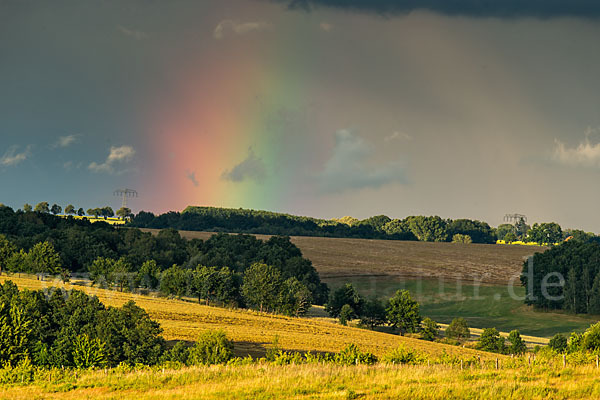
(251, 331)
(239, 220)
(339, 257)
(444, 277)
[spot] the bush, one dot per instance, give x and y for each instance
(179, 353)
(402, 355)
(575, 342)
(429, 330)
(458, 329)
(591, 337)
(285, 358)
(352, 355)
(558, 343)
(212, 347)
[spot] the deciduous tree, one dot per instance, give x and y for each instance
(42, 207)
(403, 312)
(261, 286)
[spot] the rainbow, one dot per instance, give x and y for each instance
(208, 121)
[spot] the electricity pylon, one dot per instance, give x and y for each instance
(515, 218)
(125, 194)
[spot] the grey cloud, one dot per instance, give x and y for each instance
(349, 168)
(252, 168)
(471, 8)
(191, 175)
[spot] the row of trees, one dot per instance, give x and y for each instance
(44, 207)
(261, 286)
(491, 340)
(400, 311)
(544, 233)
(42, 259)
(251, 221)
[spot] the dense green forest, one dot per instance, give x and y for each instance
(565, 277)
(127, 259)
(72, 329)
(431, 229)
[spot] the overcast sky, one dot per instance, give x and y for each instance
(306, 107)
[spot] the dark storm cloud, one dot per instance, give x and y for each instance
(471, 8)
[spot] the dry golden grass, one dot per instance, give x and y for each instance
(335, 257)
(253, 331)
(318, 381)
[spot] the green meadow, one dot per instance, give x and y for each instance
(483, 306)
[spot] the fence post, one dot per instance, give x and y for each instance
(461, 364)
(497, 365)
(564, 360)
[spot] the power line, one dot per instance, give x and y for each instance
(125, 194)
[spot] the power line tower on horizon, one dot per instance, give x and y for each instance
(125, 194)
(515, 218)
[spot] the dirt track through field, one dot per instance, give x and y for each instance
(336, 257)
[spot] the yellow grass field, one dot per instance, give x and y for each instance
(251, 331)
(318, 381)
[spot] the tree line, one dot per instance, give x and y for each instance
(548, 233)
(431, 229)
(44, 208)
(422, 228)
(565, 277)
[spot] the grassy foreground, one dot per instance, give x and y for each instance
(515, 378)
(317, 381)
